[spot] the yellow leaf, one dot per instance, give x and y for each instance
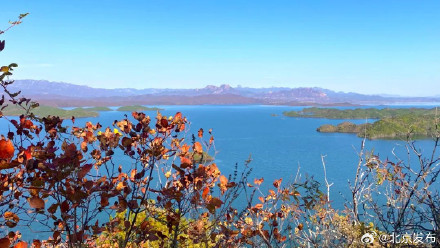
(168, 174)
(4, 69)
(248, 221)
(120, 186)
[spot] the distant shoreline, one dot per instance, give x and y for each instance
(77, 112)
(391, 123)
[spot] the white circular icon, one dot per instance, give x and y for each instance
(367, 238)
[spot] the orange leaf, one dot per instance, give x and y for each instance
(184, 148)
(133, 174)
(200, 133)
(182, 127)
(4, 69)
(36, 202)
(185, 162)
(27, 124)
(258, 181)
(223, 180)
(198, 147)
(28, 153)
(223, 184)
(120, 186)
(84, 146)
(21, 244)
(212, 170)
(178, 117)
(11, 216)
(6, 149)
(277, 183)
(259, 206)
(205, 193)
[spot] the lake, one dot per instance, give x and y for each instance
(278, 145)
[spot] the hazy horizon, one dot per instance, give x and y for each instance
(370, 47)
(233, 86)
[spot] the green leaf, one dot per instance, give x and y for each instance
(23, 15)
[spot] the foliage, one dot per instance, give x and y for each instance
(344, 127)
(360, 113)
(148, 182)
(405, 127)
(414, 123)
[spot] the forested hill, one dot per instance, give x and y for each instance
(392, 123)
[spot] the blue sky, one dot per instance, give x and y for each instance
(370, 46)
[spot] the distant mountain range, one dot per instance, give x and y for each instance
(65, 94)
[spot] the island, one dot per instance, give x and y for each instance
(137, 108)
(390, 123)
(81, 112)
(99, 109)
(359, 113)
(202, 158)
(42, 111)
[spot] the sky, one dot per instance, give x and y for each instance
(372, 47)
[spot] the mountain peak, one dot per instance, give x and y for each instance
(222, 89)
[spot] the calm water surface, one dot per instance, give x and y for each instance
(278, 145)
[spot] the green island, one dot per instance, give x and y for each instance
(398, 123)
(47, 110)
(77, 112)
(359, 113)
(99, 109)
(202, 158)
(137, 108)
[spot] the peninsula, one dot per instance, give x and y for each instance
(390, 123)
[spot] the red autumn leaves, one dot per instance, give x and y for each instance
(71, 171)
(6, 149)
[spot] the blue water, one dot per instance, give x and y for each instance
(278, 145)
